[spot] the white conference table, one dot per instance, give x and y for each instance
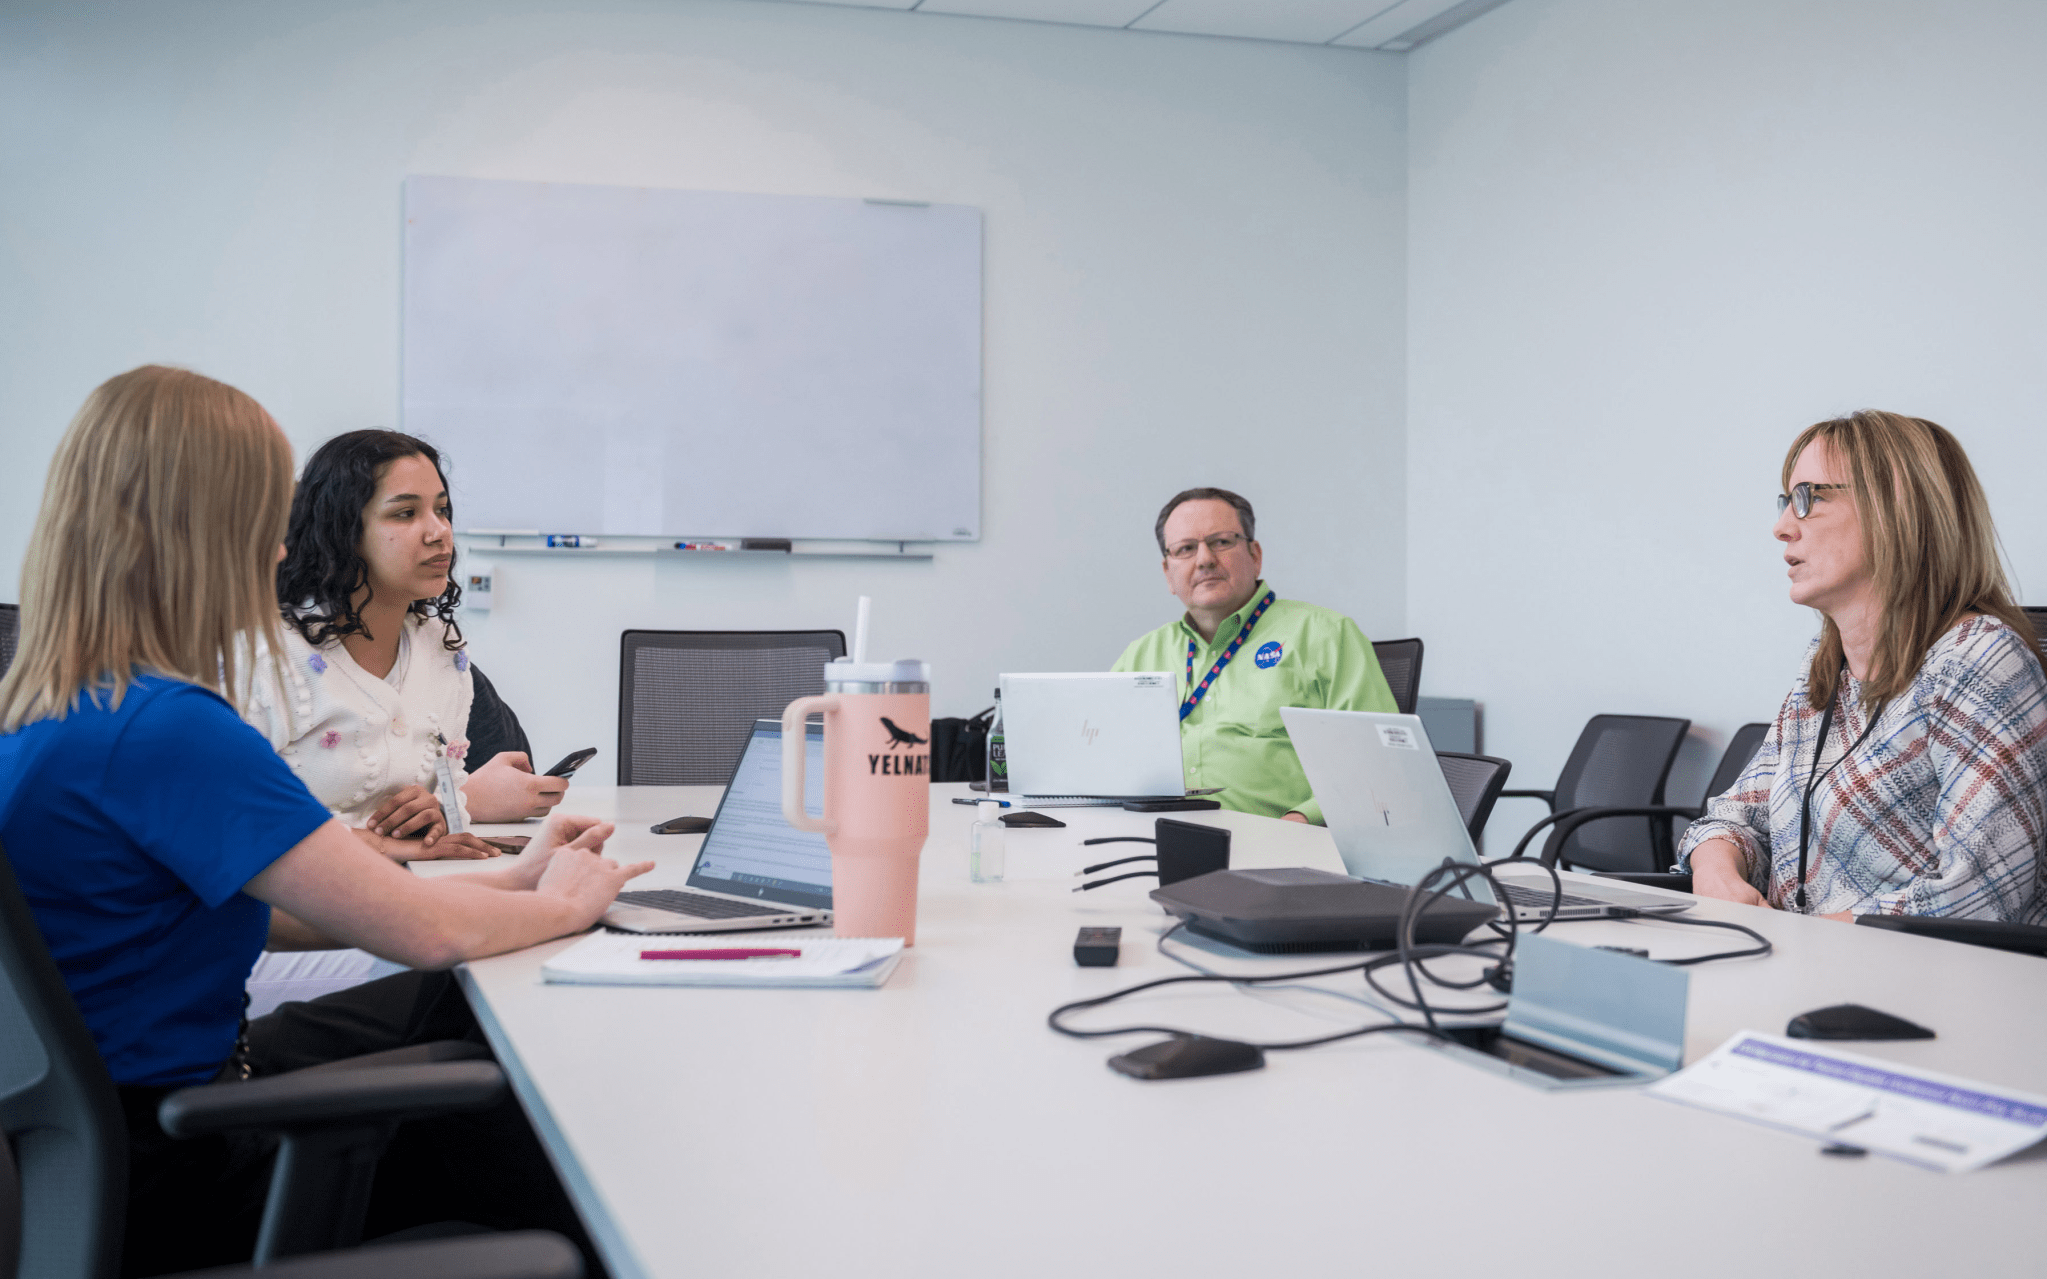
(937, 1127)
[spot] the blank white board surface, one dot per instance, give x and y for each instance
(633, 361)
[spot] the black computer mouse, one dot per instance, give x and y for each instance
(1187, 1057)
(1853, 1021)
(683, 826)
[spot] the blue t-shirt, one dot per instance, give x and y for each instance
(132, 832)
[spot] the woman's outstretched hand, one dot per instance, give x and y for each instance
(1717, 872)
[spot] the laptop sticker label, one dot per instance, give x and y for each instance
(1397, 737)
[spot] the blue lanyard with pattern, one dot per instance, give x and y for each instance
(1195, 694)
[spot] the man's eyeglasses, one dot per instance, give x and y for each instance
(1799, 499)
(1216, 545)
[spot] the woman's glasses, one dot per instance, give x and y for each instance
(1217, 545)
(1799, 499)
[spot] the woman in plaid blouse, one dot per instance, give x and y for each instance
(1907, 771)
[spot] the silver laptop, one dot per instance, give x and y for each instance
(1092, 738)
(1394, 819)
(753, 870)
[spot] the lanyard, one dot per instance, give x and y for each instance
(1195, 694)
(1814, 777)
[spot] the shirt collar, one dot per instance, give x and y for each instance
(1227, 631)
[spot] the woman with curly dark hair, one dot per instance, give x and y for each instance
(375, 690)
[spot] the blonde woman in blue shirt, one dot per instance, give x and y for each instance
(160, 841)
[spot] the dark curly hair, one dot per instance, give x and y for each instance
(323, 565)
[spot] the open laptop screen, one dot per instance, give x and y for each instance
(750, 850)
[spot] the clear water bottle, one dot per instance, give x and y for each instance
(998, 757)
(987, 844)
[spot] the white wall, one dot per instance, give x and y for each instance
(1649, 243)
(1194, 276)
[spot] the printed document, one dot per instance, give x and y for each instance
(1809, 1086)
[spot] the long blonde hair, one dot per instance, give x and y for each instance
(1927, 536)
(155, 547)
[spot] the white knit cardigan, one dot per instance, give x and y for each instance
(352, 738)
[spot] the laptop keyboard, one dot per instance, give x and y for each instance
(697, 904)
(1537, 899)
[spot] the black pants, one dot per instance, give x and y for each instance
(198, 1202)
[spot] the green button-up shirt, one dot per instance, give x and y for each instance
(1297, 655)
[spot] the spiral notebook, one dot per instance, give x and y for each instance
(615, 959)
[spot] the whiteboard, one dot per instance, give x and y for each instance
(633, 361)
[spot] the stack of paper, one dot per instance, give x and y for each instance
(629, 959)
(1920, 1116)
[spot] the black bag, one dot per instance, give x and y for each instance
(959, 748)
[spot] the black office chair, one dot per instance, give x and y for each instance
(66, 1144)
(10, 634)
(1475, 782)
(1741, 748)
(1400, 661)
(687, 700)
(1620, 761)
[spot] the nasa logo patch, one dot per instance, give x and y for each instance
(1268, 655)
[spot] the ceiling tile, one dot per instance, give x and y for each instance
(865, 4)
(1089, 13)
(1396, 22)
(1305, 21)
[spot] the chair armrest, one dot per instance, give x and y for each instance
(412, 1055)
(1546, 796)
(525, 1254)
(1568, 822)
(1674, 882)
(2024, 939)
(313, 1099)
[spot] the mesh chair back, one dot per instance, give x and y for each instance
(1400, 661)
(1475, 783)
(58, 1110)
(687, 699)
(1741, 748)
(1620, 761)
(10, 634)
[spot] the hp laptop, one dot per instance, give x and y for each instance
(1394, 819)
(1093, 738)
(754, 870)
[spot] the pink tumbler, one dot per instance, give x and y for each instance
(877, 790)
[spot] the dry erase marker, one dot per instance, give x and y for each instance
(720, 954)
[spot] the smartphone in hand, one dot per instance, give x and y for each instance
(573, 761)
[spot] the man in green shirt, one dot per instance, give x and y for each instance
(1270, 653)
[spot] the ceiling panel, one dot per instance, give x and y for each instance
(1402, 26)
(1304, 21)
(1090, 13)
(1393, 25)
(865, 4)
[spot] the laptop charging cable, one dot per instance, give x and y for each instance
(1185, 849)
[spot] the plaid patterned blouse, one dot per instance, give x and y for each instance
(1941, 810)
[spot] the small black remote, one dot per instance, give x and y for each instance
(1097, 947)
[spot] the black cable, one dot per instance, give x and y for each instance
(1453, 874)
(1053, 1019)
(1411, 955)
(1117, 839)
(1089, 870)
(1135, 874)
(1623, 912)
